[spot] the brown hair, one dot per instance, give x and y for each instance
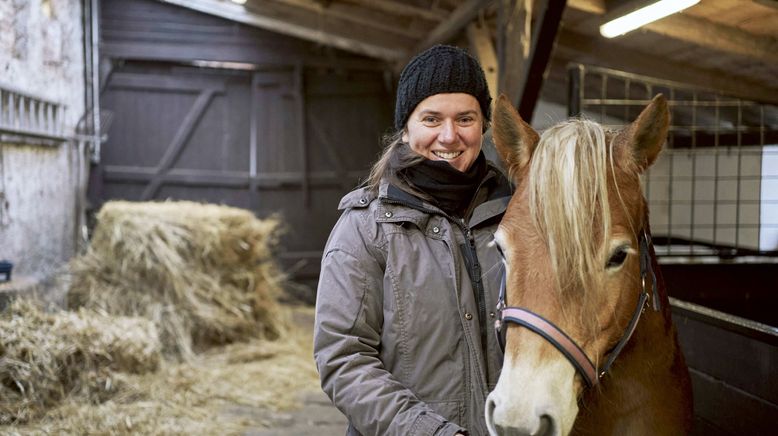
(394, 149)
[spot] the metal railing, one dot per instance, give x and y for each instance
(714, 190)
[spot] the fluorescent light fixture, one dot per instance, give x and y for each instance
(240, 2)
(643, 16)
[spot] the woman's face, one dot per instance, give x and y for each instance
(446, 127)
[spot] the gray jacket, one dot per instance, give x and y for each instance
(406, 296)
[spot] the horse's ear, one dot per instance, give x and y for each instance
(514, 139)
(647, 134)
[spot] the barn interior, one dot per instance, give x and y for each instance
(279, 107)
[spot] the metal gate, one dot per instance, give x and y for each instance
(714, 190)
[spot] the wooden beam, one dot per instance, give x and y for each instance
(403, 9)
(591, 6)
(543, 37)
(338, 11)
(769, 3)
(718, 37)
(458, 19)
(299, 25)
(514, 41)
(481, 45)
(581, 48)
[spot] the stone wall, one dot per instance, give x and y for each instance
(41, 54)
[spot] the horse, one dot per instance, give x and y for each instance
(589, 343)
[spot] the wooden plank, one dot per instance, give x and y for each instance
(456, 21)
(768, 3)
(302, 137)
(514, 41)
(299, 25)
(149, 82)
(591, 6)
(253, 139)
(341, 11)
(334, 157)
(732, 362)
(576, 47)
(179, 141)
(732, 410)
(481, 44)
(717, 37)
(229, 179)
(407, 10)
(743, 362)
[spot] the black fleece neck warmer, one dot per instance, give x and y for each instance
(450, 189)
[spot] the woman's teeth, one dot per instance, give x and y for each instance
(447, 154)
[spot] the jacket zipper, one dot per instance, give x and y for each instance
(479, 293)
(476, 270)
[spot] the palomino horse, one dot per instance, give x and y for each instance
(580, 277)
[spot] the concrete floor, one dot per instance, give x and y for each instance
(316, 417)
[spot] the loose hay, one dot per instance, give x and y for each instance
(225, 391)
(203, 273)
(46, 357)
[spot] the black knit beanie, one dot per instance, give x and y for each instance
(440, 69)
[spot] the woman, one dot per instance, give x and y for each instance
(409, 278)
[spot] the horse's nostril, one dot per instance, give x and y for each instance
(489, 413)
(510, 431)
(546, 426)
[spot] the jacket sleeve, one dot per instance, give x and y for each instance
(347, 337)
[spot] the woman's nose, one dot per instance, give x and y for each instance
(448, 132)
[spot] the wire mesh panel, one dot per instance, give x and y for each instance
(714, 190)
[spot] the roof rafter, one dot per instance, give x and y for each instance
(456, 21)
(398, 8)
(293, 22)
(338, 12)
(715, 36)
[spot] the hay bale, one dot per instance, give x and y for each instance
(204, 274)
(46, 357)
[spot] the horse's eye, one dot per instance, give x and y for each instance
(617, 258)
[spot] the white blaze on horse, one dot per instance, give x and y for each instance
(590, 348)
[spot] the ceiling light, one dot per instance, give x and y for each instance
(640, 17)
(240, 2)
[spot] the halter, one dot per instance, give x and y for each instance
(560, 340)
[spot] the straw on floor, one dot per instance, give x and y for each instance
(47, 357)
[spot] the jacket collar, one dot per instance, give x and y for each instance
(495, 205)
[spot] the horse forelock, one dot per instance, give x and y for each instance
(569, 201)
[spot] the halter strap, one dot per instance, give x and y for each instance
(561, 341)
(556, 336)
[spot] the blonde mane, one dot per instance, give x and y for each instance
(568, 197)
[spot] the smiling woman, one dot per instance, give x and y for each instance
(446, 127)
(403, 339)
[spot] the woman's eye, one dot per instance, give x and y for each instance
(429, 120)
(617, 258)
(466, 120)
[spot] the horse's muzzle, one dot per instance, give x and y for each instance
(540, 425)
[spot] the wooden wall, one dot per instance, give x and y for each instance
(279, 125)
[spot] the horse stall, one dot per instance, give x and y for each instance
(714, 218)
(205, 108)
